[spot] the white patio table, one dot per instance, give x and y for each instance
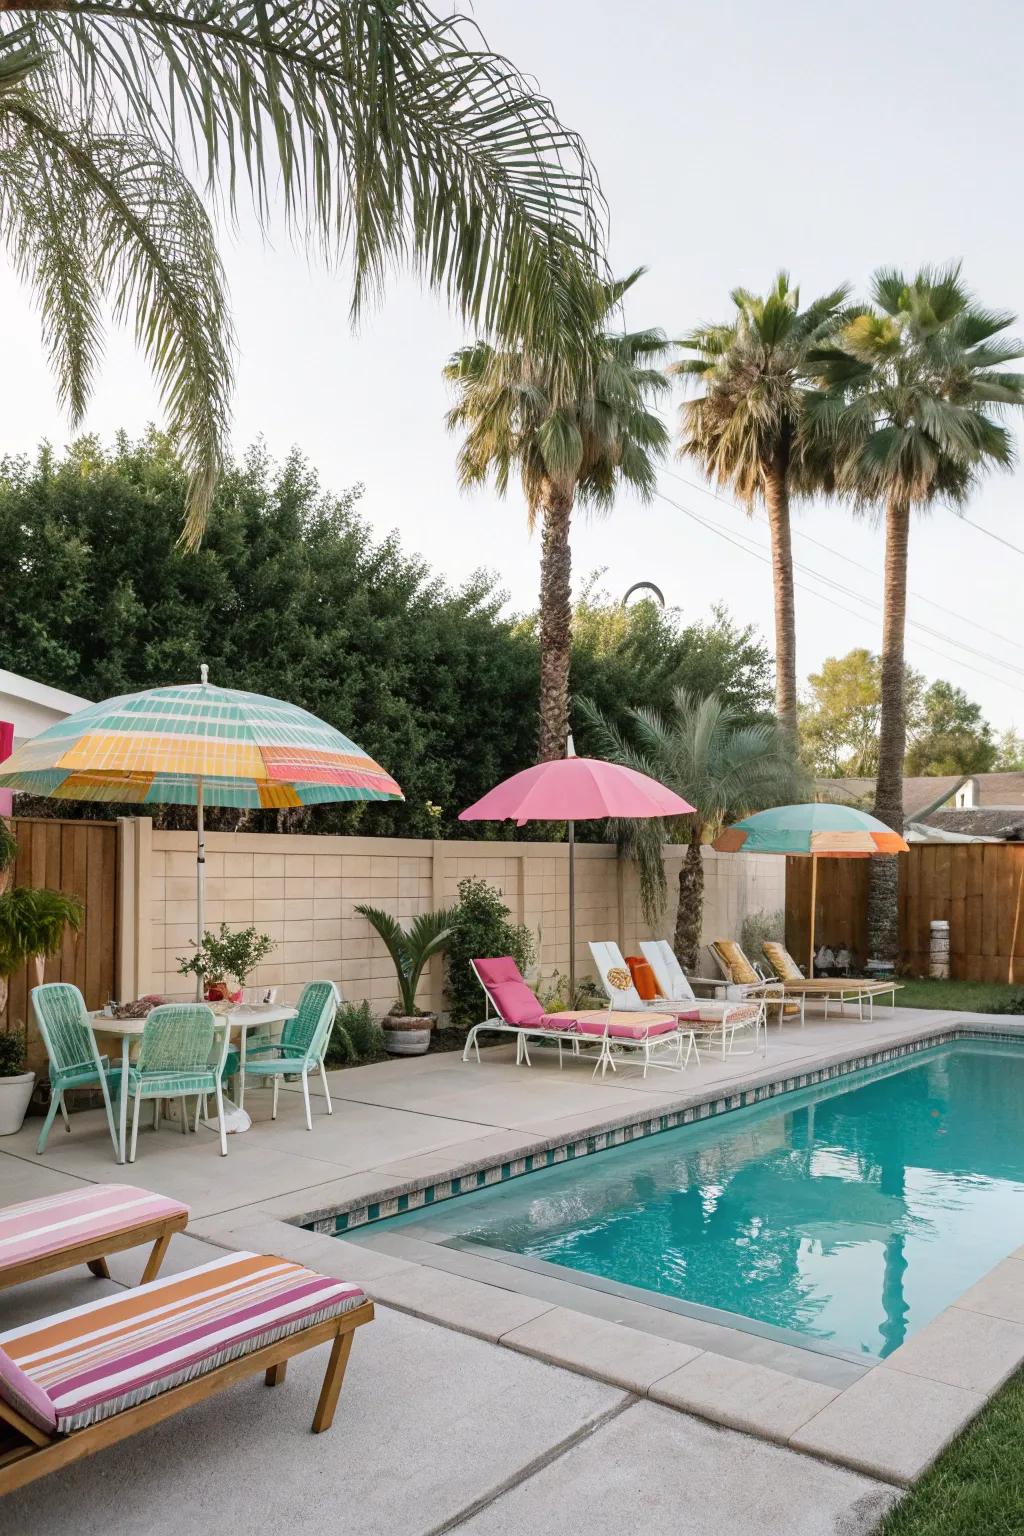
(243, 1017)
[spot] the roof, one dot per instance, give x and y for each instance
(23, 688)
(1000, 789)
(981, 821)
(919, 794)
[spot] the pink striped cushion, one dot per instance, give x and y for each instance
(20, 1392)
(623, 1026)
(97, 1360)
(38, 1227)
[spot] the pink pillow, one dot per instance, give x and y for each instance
(515, 1002)
(20, 1392)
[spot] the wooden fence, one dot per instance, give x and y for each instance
(79, 858)
(972, 885)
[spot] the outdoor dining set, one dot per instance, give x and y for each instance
(184, 1053)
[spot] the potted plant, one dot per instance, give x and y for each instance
(32, 927)
(223, 958)
(407, 1027)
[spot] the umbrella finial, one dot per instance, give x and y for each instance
(570, 750)
(204, 674)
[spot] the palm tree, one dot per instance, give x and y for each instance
(747, 430)
(915, 384)
(567, 450)
(390, 134)
(724, 766)
(89, 215)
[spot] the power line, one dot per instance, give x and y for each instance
(847, 560)
(997, 536)
(746, 545)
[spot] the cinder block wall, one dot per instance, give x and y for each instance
(302, 891)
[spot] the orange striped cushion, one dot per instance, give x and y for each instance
(95, 1361)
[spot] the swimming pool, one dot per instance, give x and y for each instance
(844, 1217)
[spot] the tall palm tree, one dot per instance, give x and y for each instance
(915, 385)
(568, 450)
(88, 215)
(725, 767)
(391, 134)
(747, 430)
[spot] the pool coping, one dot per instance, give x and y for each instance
(890, 1423)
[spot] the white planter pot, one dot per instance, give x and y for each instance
(15, 1093)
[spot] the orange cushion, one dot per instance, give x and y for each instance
(643, 977)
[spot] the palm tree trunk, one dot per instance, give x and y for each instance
(776, 497)
(883, 890)
(555, 620)
(690, 911)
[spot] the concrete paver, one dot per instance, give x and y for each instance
(664, 1474)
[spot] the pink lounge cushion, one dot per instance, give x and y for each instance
(35, 1228)
(515, 1002)
(498, 968)
(20, 1392)
(623, 1026)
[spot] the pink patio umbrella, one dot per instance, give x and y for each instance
(575, 789)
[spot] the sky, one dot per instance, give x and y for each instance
(731, 138)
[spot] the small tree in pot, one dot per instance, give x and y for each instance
(407, 1027)
(223, 958)
(32, 926)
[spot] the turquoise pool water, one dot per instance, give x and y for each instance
(850, 1214)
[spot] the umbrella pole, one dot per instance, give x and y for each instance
(814, 902)
(200, 879)
(572, 915)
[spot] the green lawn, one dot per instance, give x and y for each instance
(968, 996)
(976, 1488)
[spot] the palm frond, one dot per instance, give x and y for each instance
(145, 243)
(393, 133)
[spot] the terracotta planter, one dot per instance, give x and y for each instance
(15, 1093)
(407, 1035)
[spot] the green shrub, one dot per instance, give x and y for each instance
(12, 1054)
(482, 928)
(757, 927)
(556, 995)
(356, 1037)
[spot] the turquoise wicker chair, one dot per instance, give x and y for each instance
(174, 1062)
(75, 1061)
(301, 1047)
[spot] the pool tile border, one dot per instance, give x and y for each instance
(347, 1219)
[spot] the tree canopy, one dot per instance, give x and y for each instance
(952, 735)
(839, 723)
(292, 595)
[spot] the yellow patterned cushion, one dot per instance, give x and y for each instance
(741, 972)
(781, 961)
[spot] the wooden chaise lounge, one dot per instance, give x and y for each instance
(85, 1226)
(82, 1380)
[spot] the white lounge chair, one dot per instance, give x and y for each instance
(720, 1021)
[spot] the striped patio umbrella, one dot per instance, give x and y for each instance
(196, 745)
(813, 831)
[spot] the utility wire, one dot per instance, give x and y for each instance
(919, 596)
(997, 536)
(749, 546)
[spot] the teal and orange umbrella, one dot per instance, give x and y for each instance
(199, 745)
(815, 830)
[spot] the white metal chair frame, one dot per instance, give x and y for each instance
(675, 983)
(618, 979)
(500, 1025)
(769, 988)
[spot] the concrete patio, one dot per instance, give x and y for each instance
(576, 1418)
